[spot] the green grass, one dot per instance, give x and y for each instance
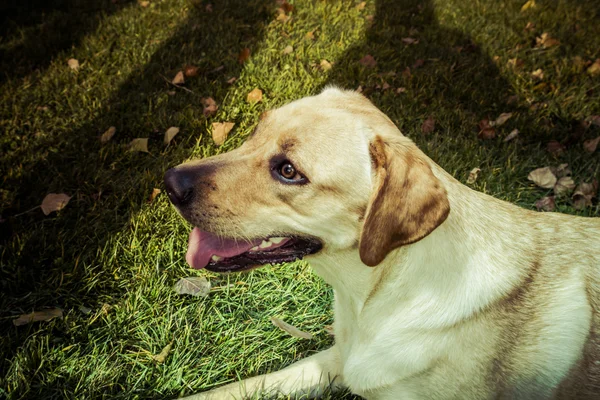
(110, 246)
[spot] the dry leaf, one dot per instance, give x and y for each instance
(513, 134)
(144, 3)
(486, 131)
(190, 71)
(231, 80)
(530, 26)
(73, 63)
(288, 49)
(325, 65)
(54, 202)
(515, 62)
(409, 40)
(529, 4)
(179, 79)
(428, 125)
(538, 74)
(401, 90)
(197, 286)
(501, 119)
(594, 69)
(555, 148)
(546, 41)
(310, 35)
(361, 6)
(43, 315)
(473, 175)
(285, 6)
(220, 131)
(244, 55)
(162, 356)
(545, 203)
(591, 144)
(210, 106)
(155, 192)
(170, 134)
(139, 144)
(368, 61)
(292, 330)
(564, 185)
(254, 96)
(543, 177)
(106, 136)
(584, 194)
(561, 170)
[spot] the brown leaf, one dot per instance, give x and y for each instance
(401, 90)
(244, 55)
(543, 177)
(155, 192)
(501, 119)
(528, 5)
(231, 80)
(285, 6)
(529, 27)
(139, 144)
(594, 69)
(584, 194)
(144, 4)
(561, 170)
(515, 63)
(254, 96)
(73, 63)
(361, 6)
(473, 175)
(409, 40)
(292, 330)
(288, 49)
(555, 148)
(428, 125)
(220, 130)
(538, 74)
(162, 356)
(197, 286)
(325, 65)
(43, 315)
(54, 202)
(170, 134)
(310, 35)
(368, 61)
(545, 41)
(513, 134)
(486, 131)
(190, 71)
(545, 203)
(591, 145)
(178, 79)
(210, 106)
(564, 185)
(106, 136)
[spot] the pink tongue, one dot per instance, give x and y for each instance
(203, 245)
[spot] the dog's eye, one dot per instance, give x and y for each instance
(285, 172)
(288, 171)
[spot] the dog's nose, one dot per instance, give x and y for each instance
(180, 186)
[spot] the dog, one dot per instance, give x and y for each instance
(441, 292)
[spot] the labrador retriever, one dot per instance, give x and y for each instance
(441, 292)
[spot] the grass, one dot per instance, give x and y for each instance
(112, 251)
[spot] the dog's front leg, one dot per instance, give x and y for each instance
(308, 377)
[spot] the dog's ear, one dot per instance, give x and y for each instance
(408, 202)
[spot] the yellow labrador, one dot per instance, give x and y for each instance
(441, 292)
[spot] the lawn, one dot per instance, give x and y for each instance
(110, 258)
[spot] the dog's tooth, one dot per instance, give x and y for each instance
(216, 258)
(265, 244)
(277, 240)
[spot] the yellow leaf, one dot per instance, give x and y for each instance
(220, 131)
(254, 96)
(73, 63)
(139, 144)
(179, 79)
(162, 356)
(170, 134)
(325, 65)
(529, 4)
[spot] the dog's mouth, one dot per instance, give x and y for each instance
(206, 250)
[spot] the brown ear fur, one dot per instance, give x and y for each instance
(408, 203)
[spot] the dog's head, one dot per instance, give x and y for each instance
(324, 173)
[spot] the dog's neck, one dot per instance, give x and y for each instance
(460, 268)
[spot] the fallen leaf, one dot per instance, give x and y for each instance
(538, 74)
(139, 144)
(288, 49)
(584, 194)
(43, 315)
(409, 40)
(220, 131)
(231, 80)
(179, 79)
(564, 185)
(254, 96)
(594, 69)
(513, 134)
(244, 55)
(144, 3)
(162, 356)
(282, 17)
(73, 63)
(486, 131)
(555, 148)
(310, 35)
(197, 286)
(530, 26)
(155, 192)
(361, 6)
(106, 136)
(543, 177)
(170, 134)
(54, 202)
(329, 330)
(385, 86)
(515, 62)
(428, 125)
(190, 71)
(292, 330)
(529, 4)
(473, 175)
(545, 203)
(591, 144)
(545, 41)
(285, 6)
(325, 65)
(210, 106)
(401, 90)
(368, 61)
(501, 119)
